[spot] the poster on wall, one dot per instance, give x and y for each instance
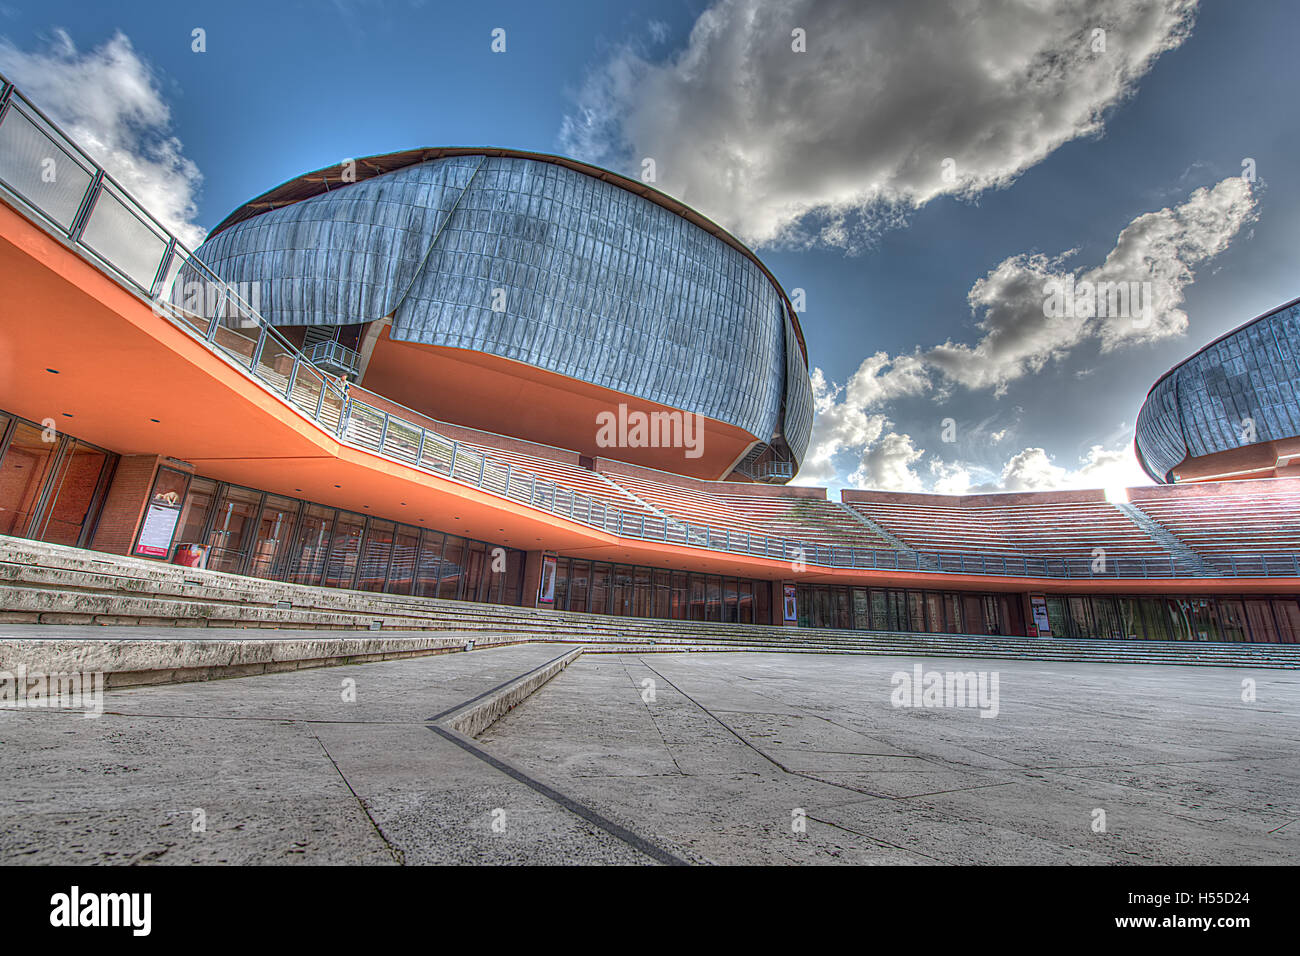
(162, 514)
(1038, 606)
(791, 608)
(546, 588)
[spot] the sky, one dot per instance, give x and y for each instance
(925, 178)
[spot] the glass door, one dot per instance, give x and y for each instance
(271, 545)
(233, 528)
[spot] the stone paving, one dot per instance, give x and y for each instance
(724, 758)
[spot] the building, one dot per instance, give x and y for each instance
(1230, 411)
(524, 294)
(439, 373)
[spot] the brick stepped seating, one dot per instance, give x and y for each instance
(52, 584)
(1051, 529)
(938, 527)
(1222, 527)
(813, 521)
(690, 505)
(567, 476)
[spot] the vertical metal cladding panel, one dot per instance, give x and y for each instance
(1159, 433)
(538, 263)
(797, 425)
(1249, 379)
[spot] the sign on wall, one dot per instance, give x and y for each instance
(546, 587)
(162, 514)
(1038, 607)
(791, 605)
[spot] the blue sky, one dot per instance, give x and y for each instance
(828, 161)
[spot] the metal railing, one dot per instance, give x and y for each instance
(335, 356)
(43, 172)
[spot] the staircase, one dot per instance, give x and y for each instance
(51, 584)
(895, 542)
(1161, 535)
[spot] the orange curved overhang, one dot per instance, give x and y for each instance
(499, 395)
(118, 367)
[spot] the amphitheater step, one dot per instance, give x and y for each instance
(49, 584)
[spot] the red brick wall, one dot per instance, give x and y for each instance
(124, 504)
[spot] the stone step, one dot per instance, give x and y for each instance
(53, 584)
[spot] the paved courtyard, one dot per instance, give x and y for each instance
(697, 757)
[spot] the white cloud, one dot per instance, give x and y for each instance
(856, 130)
(1034, 470)
(108, 101)
(887, 464)
(1158, 250)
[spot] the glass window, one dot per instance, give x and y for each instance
(952, 612)
(562, 584)
(745, 601)
(763, 602)
(598, 597)
(345, 549)
(23, 472)
(698, 597)
(274, 526)
(933, 612)
(311, 545)
(730, 599)
(233, 528)
(198, 504)
(73, 493)
(452, 570)
(714, 607)
(680, 595)
(1287, 611)
(426, 572)
(476, 572)
(1259, 616)
(915, 611)
(663, 606)
(861, 609)
(621, 590)
(376, 551)
(401, 573)
(643, 600)
(1232, 620)
(579, 583)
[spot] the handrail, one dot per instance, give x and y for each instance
(273, 361)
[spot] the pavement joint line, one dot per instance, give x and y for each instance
(499, 687)
(876, 839)
(722, 723)
(638, 843)
(806, 775)
(653, 720)
(398, 856)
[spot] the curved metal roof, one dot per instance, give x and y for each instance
(1165, 427)
(331, 177)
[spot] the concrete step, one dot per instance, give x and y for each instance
(53, 584)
